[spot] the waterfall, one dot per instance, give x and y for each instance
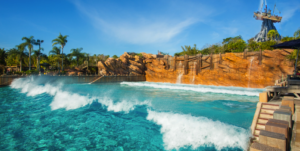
(180, 74)
(194, 72)
(251, 60)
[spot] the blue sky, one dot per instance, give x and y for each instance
(115, 26)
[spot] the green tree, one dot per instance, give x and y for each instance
(55, 54)
(18, 53)
(60, 40)
(37, 54)
(272, 34)
(267, 45)
(287, 38)
(77, 53)
(252, 45)
(3, 56)
(297, 34)
(234, 44)
(238, 45)
(115, 56)
(28, 44)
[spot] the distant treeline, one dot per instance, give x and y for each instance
(237, 44)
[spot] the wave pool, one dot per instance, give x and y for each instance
(37, 114)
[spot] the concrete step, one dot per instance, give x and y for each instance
(256, 137)
(270, 106)
(260, 126)
(256, 132)
(265, 116)
(262, 120)
(266, 110)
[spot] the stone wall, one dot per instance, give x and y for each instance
(252, 69)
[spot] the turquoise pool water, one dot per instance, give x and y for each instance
(38, 114)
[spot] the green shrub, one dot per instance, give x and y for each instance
(33, 72)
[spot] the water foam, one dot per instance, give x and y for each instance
(182, 131)
(69, 100)
(196, 88)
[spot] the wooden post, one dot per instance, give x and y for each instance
(186, 64)
(245, 54)
(211, 61)
(260, 57)
(167, 64)
(200, 63)
(174, 61)
(220, 60)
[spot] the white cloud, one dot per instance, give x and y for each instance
(140, 30)
(289, 13)
(288, 10)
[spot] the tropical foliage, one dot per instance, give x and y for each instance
(297, 34)
(77, 53)
(61, 40)
(28, 43)
(273, 34)
(23, 55)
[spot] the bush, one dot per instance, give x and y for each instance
(267, 45)
(34, 72)
(19, 73)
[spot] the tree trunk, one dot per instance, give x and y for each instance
(38, 63)
(29, 59)
(77, 61)
(21, 65)
(62, 59)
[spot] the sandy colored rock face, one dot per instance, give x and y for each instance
(230, 69)
(126, 64)
(234, 70)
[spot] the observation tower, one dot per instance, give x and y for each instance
(268, 19)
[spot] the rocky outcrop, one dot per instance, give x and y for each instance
(230, 69)
(233, 70)
(266, 26)
(126, 64)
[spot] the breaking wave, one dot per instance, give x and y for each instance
(70, 100)
(198, 88)
(181, 130)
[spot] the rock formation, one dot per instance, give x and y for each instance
(127, 64)
(266, 26)
(232, 70)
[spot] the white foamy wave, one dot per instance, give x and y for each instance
(232, 105)
(188, 131)
(123, 106)
(27, 85)
(69, 100)
(196, 88)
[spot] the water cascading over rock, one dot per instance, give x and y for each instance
(266, 26)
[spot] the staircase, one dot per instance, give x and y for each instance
(264, 114)
(96, 79)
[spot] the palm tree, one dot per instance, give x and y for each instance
(18, 53)
(297, 34)
(3, 56)
(77, 53)
(55, 51)
(28, 43)
(37, 54)
(190, 50)
(61, 40)
(272, 34)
